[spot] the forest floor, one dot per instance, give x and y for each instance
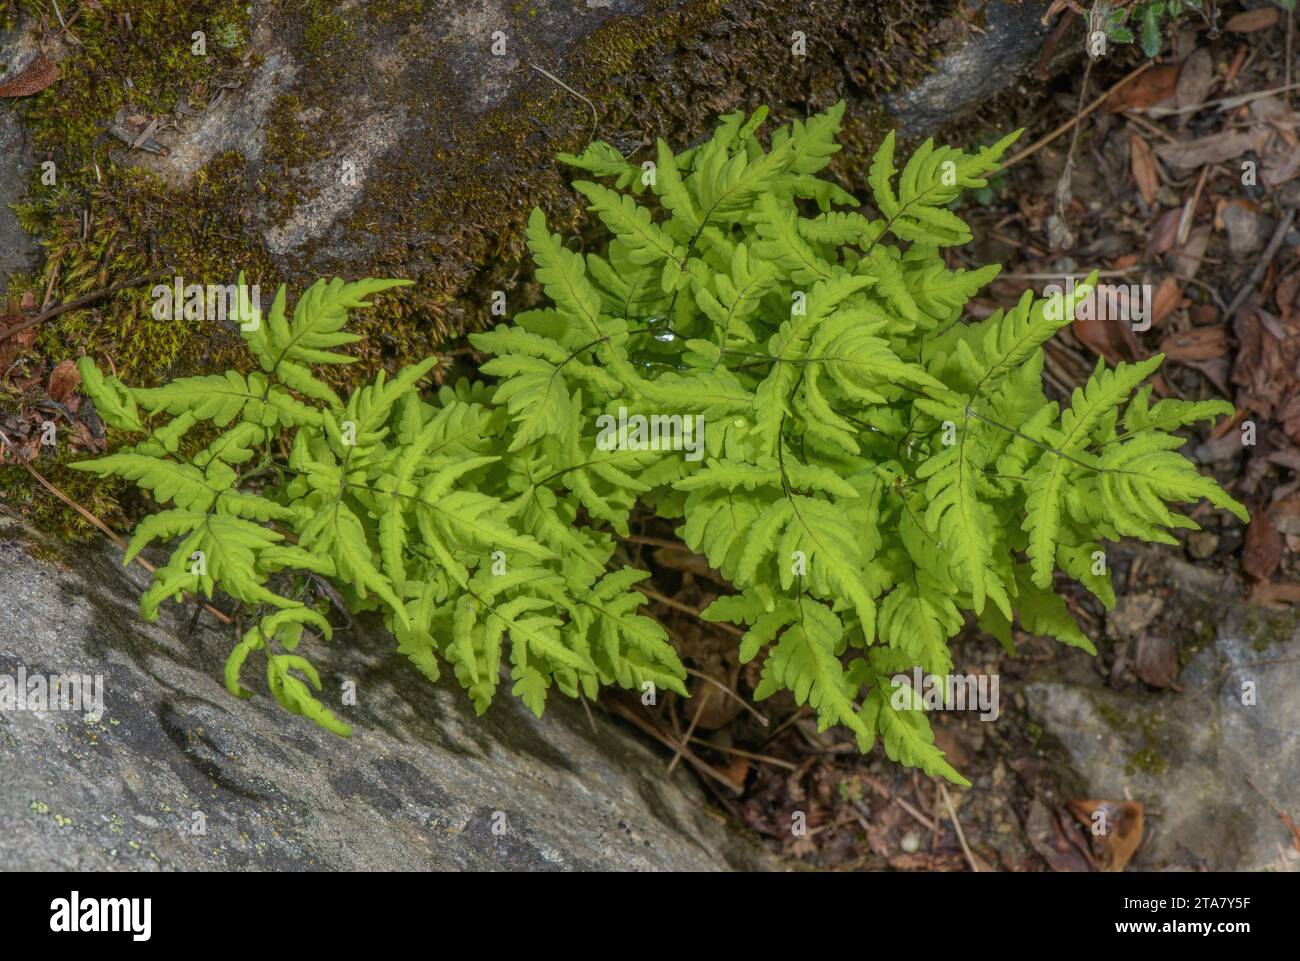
(1176, 178)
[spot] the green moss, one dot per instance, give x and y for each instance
(290, 146)
(325, 30)
(1266, 628)
(1147, 761)
(1149, 758)
(24, 495)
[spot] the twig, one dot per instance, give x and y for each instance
(1220, 105)
(679, 606)
(689, 731)
(730, 693)
(595, 118)
(1290, 40)
(655, 542)
(654, 732)
(587, 707)
(1261, 267)
(1123, 272)
(82, 301)
(1286, 818)
(1044, 141)
(961, 835)
(764, 758)
(780, 728)
(1189, 209)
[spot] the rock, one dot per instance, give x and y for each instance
(1248, 229)
(1132, 614)
(1210, 769)
(984, 65)
(19, 250)
(413, 142)
(419, 786)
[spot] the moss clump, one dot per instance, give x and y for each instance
(200, 238)
(290, 146)
(136, 54)
(1147, 761)
(325, 29)
(1267, 628)
(21, 493)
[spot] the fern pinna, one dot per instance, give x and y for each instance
(874, 466)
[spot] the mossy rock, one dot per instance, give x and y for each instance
(311, 138)
(401, 138)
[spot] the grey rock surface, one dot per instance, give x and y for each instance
(1212, 764)
(19, 250)
(420, 785)
(985, 65)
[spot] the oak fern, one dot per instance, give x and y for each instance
(872, 467)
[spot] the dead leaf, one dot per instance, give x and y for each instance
(1194, 80)
(1143, 164)
(714, 708)
(1187, 258)
(33, 78)
(1199, 151)
(64, 379)
(1146, 91)
(1164, 232)
(1166, 298)
(1114, 830)
(1262, 552)
(1271, 595)
(1252, 20)
(1199, 343)
(12, 347)
(1155, 661)
(1049, 839)
(1107, 338)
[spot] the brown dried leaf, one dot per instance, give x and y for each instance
(64, 379)
(1166, 298)
(1195, 79)
(1187, 258)
(33, 78)
(1109, 338)
(1164, 232)
(1262, 552)
(1155, 661)
(1252, 20)
(1048, 838)
(1143, 164)
(1146, 91)
(1273, 594)
(1199, 343)
(1199, 151)
(1114, 830)
(12, 347)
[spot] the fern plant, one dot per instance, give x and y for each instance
(874, 467)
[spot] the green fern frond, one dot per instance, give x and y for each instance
(864, 464)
